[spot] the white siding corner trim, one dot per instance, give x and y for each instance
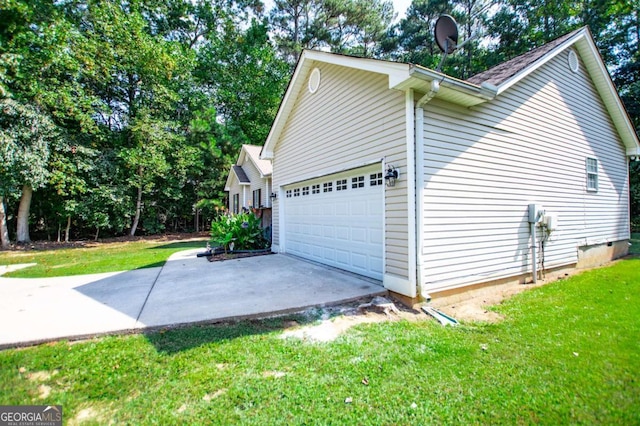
(410, 289)
(399, 285)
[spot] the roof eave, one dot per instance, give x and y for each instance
(263, 173)
(601, 78)
(451, 89)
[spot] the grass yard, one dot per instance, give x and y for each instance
(106, 257)
(568, 352)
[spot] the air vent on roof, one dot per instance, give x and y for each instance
(314, 80)
(574, 65)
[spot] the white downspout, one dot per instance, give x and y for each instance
(244, 196)
(435, 87)
(268, 194)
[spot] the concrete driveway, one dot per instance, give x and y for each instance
(185, 290)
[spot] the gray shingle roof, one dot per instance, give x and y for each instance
(242, 176)
(504, 71)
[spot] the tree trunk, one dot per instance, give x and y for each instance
(4, 232)
(136, 218)
(23, 215)
(97, 233)
(67, 230)
(59, 232)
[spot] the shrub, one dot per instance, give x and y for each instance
(242, 230)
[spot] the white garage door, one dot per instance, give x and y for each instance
(337, 220)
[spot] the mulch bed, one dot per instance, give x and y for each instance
(229, 256)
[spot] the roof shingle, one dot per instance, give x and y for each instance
(242, 176)
(504, 71)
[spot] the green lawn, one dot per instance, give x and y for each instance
(566, 353)
(110, 257)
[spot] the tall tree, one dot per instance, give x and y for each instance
(353, 26)
(246, 79)
(412, 40)
(293, 23)
(25, 138)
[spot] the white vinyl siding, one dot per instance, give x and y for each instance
(256, 183)
(234, 189)
(484, 165)
(352, 120)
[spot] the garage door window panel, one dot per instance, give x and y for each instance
(341, 227)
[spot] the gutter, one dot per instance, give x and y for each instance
(419, 114)
(485, 92)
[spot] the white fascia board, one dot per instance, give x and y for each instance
(602, 80)
(396, 71)
(241, 157)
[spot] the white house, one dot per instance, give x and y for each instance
(249, 181)
(545, 129)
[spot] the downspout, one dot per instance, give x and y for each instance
(244, 196)
(419, 114)
(268, 194)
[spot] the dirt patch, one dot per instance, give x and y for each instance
(337, 320)
(474, 305)
(469, 306)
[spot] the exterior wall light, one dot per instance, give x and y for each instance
(391, 176)
(273, 196)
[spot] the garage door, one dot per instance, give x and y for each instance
(337, 220)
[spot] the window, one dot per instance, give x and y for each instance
(315, 189)
(305, 190)
(341, 185)
(288, 193)
(257, 198)
(357, 182)
(375, 179)
(592, 174)
(236, 203)
(296, 192)
(327, 187)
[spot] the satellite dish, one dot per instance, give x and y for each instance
(446, 34)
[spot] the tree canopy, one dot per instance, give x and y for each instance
(124, 117)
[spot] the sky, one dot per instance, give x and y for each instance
(400, 7)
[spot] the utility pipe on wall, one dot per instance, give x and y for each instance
(419, 114)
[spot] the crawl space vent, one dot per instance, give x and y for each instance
(574, 65)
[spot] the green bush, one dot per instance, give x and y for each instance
(242, 230)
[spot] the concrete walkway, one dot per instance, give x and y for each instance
(186, 290)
